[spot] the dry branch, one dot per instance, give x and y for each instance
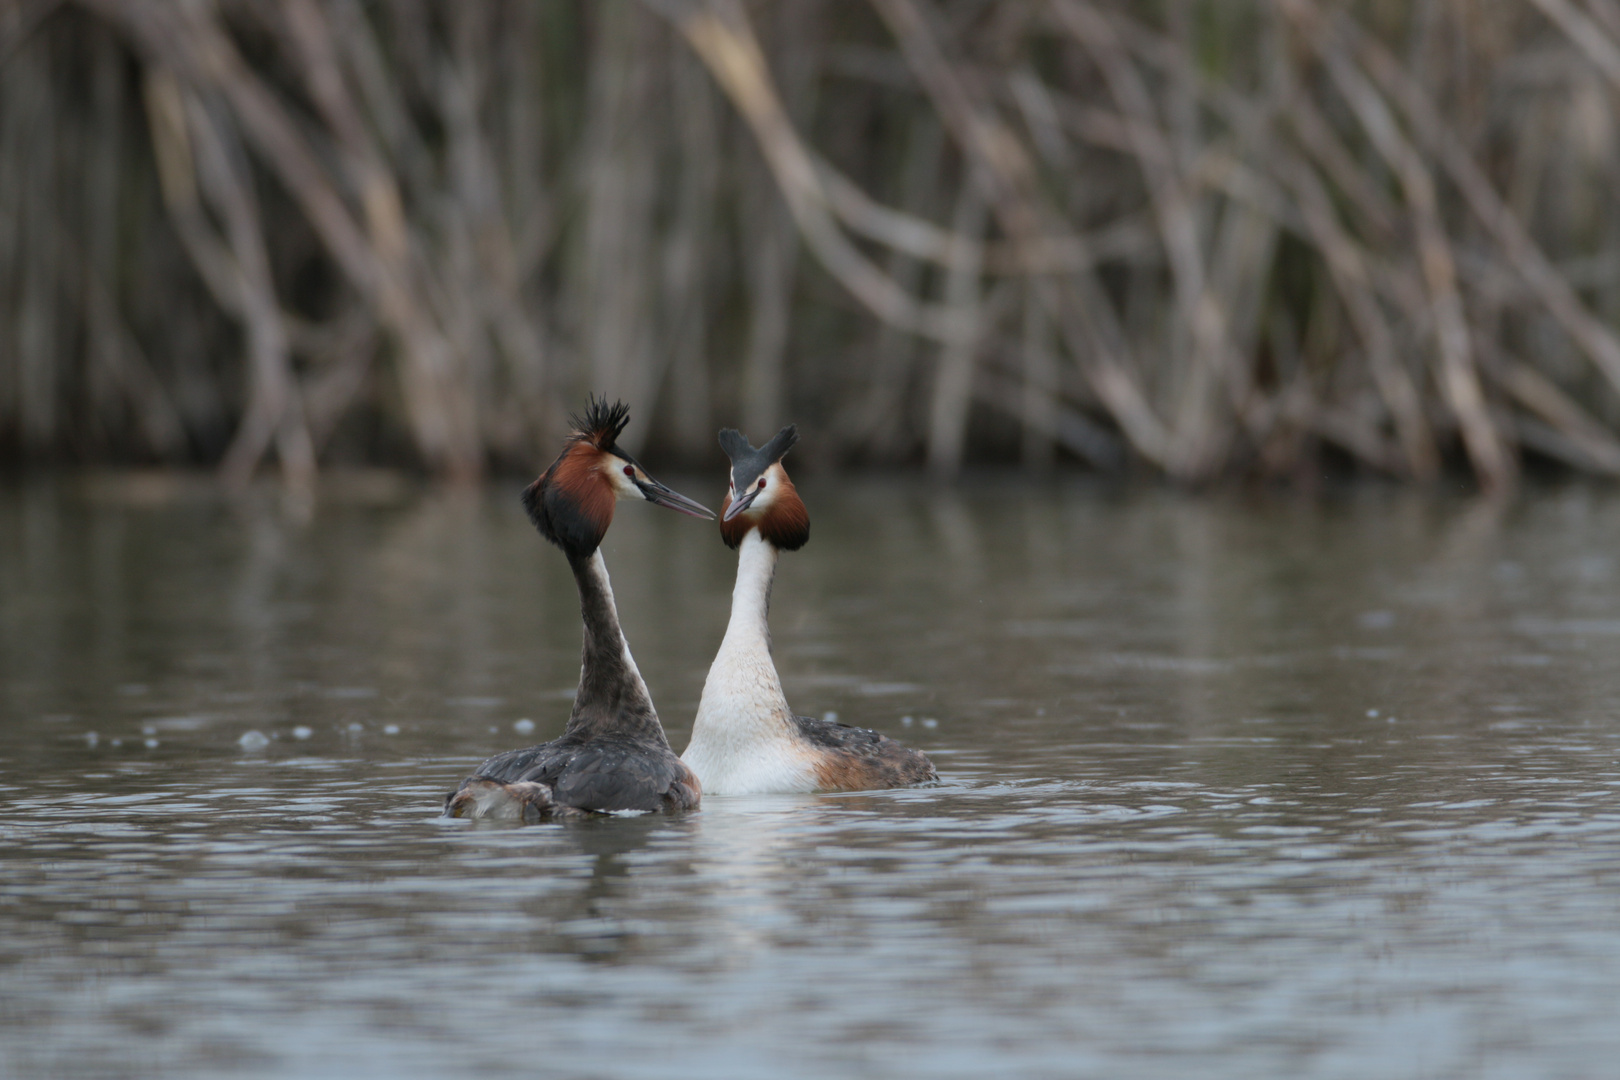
(1212, 238)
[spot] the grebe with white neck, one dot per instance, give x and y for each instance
(746, 740)
(613, 755)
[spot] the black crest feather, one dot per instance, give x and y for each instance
(747, 463)
(733, 443)
(601, 423)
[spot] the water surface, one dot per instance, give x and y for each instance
(1232, 787)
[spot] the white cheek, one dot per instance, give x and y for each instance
(622, 485)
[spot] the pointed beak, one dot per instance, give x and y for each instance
(739, 505)
(654, 492)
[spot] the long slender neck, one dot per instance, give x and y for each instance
(744, 738)
(743, 687)
(612, 697)
(751, 597)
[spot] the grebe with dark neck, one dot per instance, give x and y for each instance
(746, 739)
(613, 755)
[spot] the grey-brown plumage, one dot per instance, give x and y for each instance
(598, 775)
(613, 755)
(859, 759)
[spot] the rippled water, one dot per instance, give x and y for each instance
(1232, 788)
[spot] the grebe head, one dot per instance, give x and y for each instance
(572, 502)
(761, 496)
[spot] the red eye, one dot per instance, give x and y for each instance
(762, 481)
(630, 471)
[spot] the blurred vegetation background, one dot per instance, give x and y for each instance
(1201, 238)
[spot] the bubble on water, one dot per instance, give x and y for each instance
(830, 717)
(493, 730)
(148, 729)
(1372, 714)
(523, 726)
(906, 720)
(91, 738)
(356, 726)
(930, 722)
(118, 742)
(301, 732)
(390, 729)
(151, 744)
(253, 740)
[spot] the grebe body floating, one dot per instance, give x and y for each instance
(746, 739)
(613, 755)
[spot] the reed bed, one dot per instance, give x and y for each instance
(1204, 238)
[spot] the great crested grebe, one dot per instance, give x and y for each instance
(746, 739)
(613, 754)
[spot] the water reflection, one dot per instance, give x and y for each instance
(1232, 787)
